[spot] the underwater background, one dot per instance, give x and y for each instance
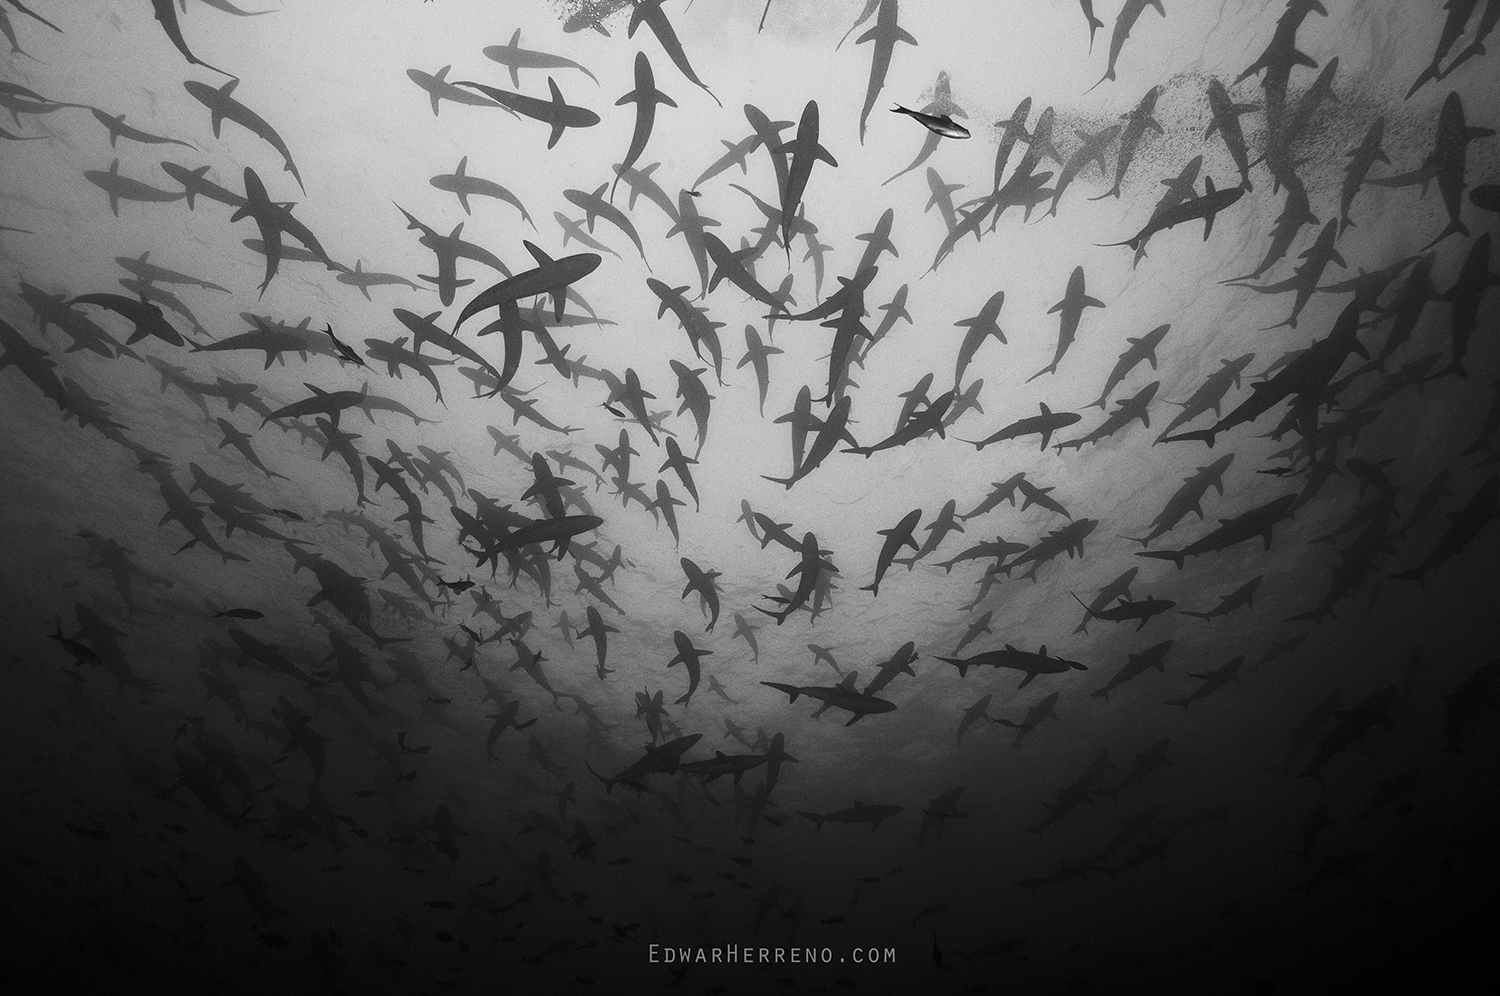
(1041, 546)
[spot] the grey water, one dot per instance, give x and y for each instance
(423, 684)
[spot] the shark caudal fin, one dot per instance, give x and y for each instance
(792, 690)
(608, 783)
(962, 665)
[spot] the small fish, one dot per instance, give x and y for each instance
(938, 124)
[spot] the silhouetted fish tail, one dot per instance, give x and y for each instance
(608, 783)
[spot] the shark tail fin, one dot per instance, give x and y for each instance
(1207, 435)
(791, 690)
(1417, 574)
(608, 783)
(962, 665)
(1172, 555)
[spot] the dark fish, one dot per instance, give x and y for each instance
(885, 34)
(1465, 524)
(1093, 150)
(689, 656)
(1044, 425)
(167, 15)
(1257, 523)
(1137, 123)
(438, 88)
(515, 58)
(465, 186)
(841, 696)
(896, 537)
(645, 96)
(1028, 663)
(1136, 665)
(119, 129)
(549, 276)
(1459, 12)
(1074, 301)
(805, 152)
(595, 206)
(557, 113)
(650, 13)
(1446, 164)
(120, 188)
(222, 106)
(1206, 207)
(1130, 13)
(980, 327)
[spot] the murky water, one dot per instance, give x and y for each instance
(325, 707)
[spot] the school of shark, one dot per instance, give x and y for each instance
(1083, 577)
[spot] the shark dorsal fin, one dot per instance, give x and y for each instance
(538, 254)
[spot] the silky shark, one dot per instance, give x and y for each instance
(1205, 207)
(1028, 663)
(650, 13)
(223, 106)
(118, 129)
(438, 88)
(595, 206)
(1130, 13)
(1072, 306)
(515, 58)
(691, 658)
(663, 758)
(859, 813)
(330, 403)
(896, 537)
(645, 97)
(980, 327)
(556, 113)
(844, 696)
(1256, 523)
(1226, 121)
(120, 187)
(1142, 348)
(1044, 425)
(885, 34)
(465, 186)
(805, 152)
(549, 276)
(167, 15)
